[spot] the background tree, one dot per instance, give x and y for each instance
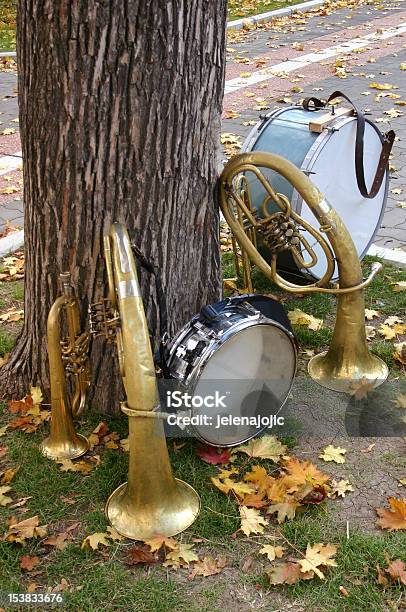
(120, 106)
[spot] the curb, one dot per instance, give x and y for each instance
(11, 243)
(238, 24)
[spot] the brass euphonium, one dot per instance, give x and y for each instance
(152, 501)
(348, 358)
(68, 357)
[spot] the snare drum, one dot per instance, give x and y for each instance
(242, 350)
(328, 159)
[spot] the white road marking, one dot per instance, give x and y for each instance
(265, 74)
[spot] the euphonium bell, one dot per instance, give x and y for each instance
(66, 357)
(152, 501)
(348, 358)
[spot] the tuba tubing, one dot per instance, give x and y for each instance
(63, 442)
(348, 358)
(152, 501)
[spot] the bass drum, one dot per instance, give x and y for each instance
(328, 158)
(242, 349)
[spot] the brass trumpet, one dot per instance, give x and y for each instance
(348, 358)
(152, 501)
(68, 357)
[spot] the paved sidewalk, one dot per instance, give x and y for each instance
(373, 46)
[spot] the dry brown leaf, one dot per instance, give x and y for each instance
(208, 567)
(28, 563)
(395, 518)
(400, 401)
(370, 314)
(287, 573)
(24, 530)
(397, 571)
(285, 510)
(340, 488)
(139, 554)
(360, 388)
(7, 476)
(67, 465)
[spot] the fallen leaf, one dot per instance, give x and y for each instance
(397, 571)
(285, 510)
(59, 541)
(36, 395)
(12, 315)
(400, 401)
(7, 476)
(382, 86)
(67, 465)
(369, 448)
(114, 535)
(400, 286)
(27, 529)
(266, 447)
(95, 540)
(251, 521)
(395, 518)
(370, 314)
(340, 488)
(360, 388)
(208, 567)
(272, 552)
(316, 556)
(139, 554)
(157, 541)
(213, 455)
(287, 573)
(5, 499)
(28, 563)
(8, 132)
(181, 556)
(298, 317)
(332, 453)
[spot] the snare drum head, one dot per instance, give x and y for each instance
(253, 372)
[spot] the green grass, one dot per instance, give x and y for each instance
(7, 25)
(6, 343)
(238, 9)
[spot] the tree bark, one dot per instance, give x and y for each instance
(120, 106)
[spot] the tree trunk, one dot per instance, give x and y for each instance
(120, 106)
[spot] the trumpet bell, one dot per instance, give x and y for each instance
(152, 501)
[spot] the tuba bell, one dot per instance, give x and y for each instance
(348, 358)
(68, 358)
(152, 501)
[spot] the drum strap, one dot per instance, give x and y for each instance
(387, 140)
(162, 306)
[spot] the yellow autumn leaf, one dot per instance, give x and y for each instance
(26, 529)
(382, 86)
(340, 488)
(298, 317)
(157, 541)
(285, 510)
(266, 447)
(400, 286)
(180, 556)
(252, 521)
(272, 552)
(316, 556)
(36, 395)
(67, 465)
(332, 453)
(400, 401)
(8, 132)
(95, 540)
(370, 314)
(3, 430)
(5, 499)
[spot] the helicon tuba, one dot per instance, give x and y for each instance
(348, 359)
(68, 358)
(152, 501)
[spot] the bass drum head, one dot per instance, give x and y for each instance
(333, 173)
(329, 158)
(253, 371)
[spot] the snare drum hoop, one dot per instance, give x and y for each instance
(309, 161)
(191, 382)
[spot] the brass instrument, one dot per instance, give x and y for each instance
(152, 501)
(348, 358)
(67, 358)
